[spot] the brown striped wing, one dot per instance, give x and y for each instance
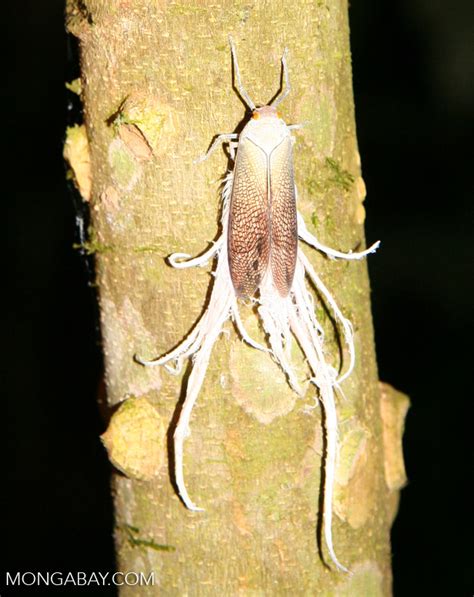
(284, 232)
(249, 224)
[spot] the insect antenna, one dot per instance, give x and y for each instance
(240, 88)
(280, 98)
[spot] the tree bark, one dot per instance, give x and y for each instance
(156, 84)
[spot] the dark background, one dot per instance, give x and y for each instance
(413, 73)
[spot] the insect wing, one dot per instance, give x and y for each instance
(249, 225)
(284, 232)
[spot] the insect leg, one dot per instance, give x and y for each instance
(214, 318)
(322, 378)
(279, 99)
(294, 127)
(215, 144)
(183, 260)
(242, 331)
(187, 347)
(346, 324)
(232, 147)
(311, 240)
(242, 92)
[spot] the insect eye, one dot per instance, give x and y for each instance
(255, 115)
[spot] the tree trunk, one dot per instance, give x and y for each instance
(156, 84)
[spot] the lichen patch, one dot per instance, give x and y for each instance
(136, 439)
(361, 190)
(121, 328)
(75, 86)
(76, 153)
(393, 408)
(146, 124)
(264, 393)
(355, 492)
(360, 214)
(353, 447)
(126, 169)
(272, 397)
(360, 194)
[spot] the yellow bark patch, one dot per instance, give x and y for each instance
(393, 408)
(393, 501)
(360, 214)
(147, 123)
(355, 493)
(76, 153)
(360, 198)
(136, 439)
(75, 86)
(360, 188)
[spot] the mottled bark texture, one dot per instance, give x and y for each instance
(156, 84)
